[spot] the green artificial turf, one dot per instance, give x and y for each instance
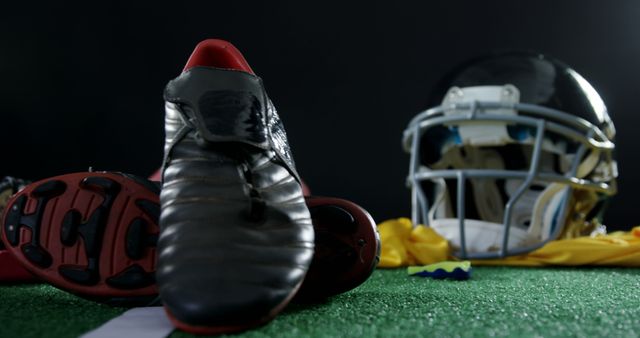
(496, 302)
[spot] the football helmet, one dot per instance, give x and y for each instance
(518, 151)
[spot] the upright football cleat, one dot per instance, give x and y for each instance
(92, 234)
(347, 246)
(236, 236)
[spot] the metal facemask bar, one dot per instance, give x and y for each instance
(542, 119)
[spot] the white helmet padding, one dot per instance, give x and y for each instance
(480, 236)
(485, 237)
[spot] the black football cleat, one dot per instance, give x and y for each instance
(91, 233)
(236, 236)
(347, 246)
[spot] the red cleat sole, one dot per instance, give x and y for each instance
(92, 234)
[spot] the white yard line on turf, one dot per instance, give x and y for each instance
(142, 322)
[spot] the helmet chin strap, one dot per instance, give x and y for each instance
(545, 211)
(442, 204)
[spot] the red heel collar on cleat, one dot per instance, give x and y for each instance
(217, 53)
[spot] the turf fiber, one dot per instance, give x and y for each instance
(495, 302)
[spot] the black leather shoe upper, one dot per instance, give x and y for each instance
(236, 236)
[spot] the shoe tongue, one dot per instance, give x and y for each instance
(219, 54)
(223, 105)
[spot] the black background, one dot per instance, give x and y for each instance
(81, 84)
